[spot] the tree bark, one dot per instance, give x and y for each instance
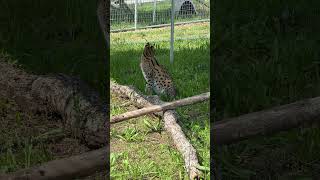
(76, 166)
(170, 123)
(80, 107)
(264, 122)
(162, 107)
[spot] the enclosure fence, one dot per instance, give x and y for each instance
(128, 15)
(135, 14)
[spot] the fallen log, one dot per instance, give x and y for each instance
(265, 122)
(170, 123)
(162, 107)
(68, 168)
(80, 108)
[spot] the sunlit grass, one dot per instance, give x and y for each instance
(190, 73)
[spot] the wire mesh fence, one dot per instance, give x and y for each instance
(135, 14)
(141, 14)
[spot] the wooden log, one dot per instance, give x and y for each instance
(162, 107)
(80, 108)
(264, 122)
(68, 168)
(170, 123)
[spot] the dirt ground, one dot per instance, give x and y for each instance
(31, 139)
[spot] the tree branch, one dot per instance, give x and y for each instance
(162, 107)
(267, 121)
(75, 166)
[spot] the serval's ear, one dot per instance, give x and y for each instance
(147, 45)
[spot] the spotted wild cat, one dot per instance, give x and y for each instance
(157, 78)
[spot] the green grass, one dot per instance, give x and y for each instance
(263, 59)
(124, 166)
(139, 149)
(180, 32)
(24, 157)
(148, 7)
(17, 149)
(190, 73)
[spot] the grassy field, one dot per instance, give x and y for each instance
(190, 73)
(140, 148)
(266, 53)
(44, 38)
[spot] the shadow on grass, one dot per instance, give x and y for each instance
(189, 71)
(55, 37)
(265, 56)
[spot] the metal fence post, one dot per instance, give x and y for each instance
(154, 11)
(135, 14)
(172, 31)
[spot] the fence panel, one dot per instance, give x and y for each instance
(135, 14)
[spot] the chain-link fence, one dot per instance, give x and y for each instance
(135, 14)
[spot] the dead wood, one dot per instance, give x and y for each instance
(170, 123)
(264, 122)
(76, 166)
(82, 111)
(162, 107)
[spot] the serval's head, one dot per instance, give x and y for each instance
(149, 50)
